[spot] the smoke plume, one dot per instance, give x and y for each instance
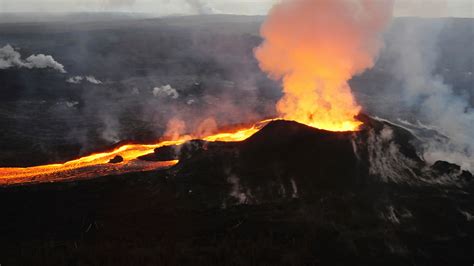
(314, 47)
(9, 58)
(434, 102)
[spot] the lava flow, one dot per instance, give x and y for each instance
(98, 164)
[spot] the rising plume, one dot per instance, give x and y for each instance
(314, 47)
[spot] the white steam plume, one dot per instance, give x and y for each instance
(434, 101)
(10, 58)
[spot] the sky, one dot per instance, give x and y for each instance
(420, 8)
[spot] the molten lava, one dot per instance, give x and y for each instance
(98, 164)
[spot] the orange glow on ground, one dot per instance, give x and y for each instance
(98, 164)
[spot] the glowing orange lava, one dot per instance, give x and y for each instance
(98, 164)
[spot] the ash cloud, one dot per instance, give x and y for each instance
(10, 58)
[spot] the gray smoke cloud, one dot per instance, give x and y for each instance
(433, 101)
(10, 58)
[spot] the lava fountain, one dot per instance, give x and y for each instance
(315, 47)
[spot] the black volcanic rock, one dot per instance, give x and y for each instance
(165, 153)
(288, 159)
(181, 152)
(290, 193)
(445, 167)
(449, 169)
(403, 138)
(116, 159)
(290, 148)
